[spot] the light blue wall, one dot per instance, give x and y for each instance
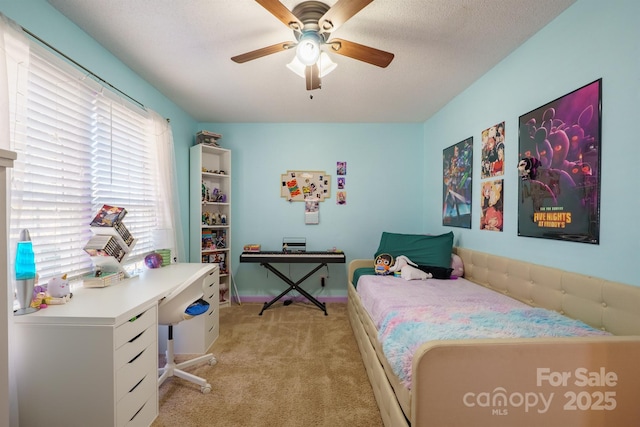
(591, 39)
(394, 170)
(383, 183)
(44, 21)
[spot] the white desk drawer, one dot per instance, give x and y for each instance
(146, 415)
(132, 372)
(128, 351)
(212, 316)
(130, 406)
(129, 330)
(210, 286)
(211, 294)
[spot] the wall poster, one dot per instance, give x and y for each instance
(457, 170)
(559, 146)
(491, 205)
(492, 151)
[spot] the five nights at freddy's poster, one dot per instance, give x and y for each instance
(559, 166)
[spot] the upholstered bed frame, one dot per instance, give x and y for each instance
(569, 382)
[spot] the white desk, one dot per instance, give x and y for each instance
(94, 361)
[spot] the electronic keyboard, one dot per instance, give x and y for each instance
(293, 257)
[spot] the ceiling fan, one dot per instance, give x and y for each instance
(312, 23)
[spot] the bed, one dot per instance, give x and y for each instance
(569, 381)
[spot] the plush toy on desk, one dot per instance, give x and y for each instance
(58, 291)
(55, 292)
(382, 264)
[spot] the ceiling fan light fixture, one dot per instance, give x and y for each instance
(325, 65)
(308, 50)
(297, 67)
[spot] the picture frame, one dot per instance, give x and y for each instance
(457, 173)
(559, 190)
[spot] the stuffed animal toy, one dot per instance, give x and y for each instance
(58, 287)
(408, 270)
(401, 262)
(528, 168)
(382, 264)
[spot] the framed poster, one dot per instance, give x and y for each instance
(560, 196)
(457, 170)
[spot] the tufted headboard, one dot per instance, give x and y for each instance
(610, 306)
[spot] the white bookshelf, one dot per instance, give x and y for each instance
(210, 212)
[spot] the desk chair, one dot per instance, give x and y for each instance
(183, 303)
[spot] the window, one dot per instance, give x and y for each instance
(80, 146)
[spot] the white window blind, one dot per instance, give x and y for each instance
(83, 147)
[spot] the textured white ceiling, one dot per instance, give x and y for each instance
(183, 48)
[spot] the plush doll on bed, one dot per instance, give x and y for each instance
(382, 264)
(408, 269)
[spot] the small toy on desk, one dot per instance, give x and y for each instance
(153, 260)
(58, 287)
(55, 292)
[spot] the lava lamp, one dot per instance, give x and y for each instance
(25, 267)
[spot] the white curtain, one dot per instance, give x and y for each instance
(14, 64)
(170, 234)
(14, 72)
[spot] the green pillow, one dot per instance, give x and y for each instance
(422, 249)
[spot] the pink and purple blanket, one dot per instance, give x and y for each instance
(410, 313)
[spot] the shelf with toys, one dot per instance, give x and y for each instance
(210, 208)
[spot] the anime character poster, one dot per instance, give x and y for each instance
(457, 168)
(492, 151)
(559, 146)
(491, 207)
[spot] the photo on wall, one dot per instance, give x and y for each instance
(457, 170)
(492, 151)
(491, 205)
(559, 165)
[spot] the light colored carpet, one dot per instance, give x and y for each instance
(291, 367)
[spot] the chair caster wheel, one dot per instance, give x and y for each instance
(213, 361)
(206, 389)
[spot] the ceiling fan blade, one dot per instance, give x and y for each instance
(312, 75)
(340, 13)
(281, 12)
(259, 53)
(361, 52)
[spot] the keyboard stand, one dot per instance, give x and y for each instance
(294, 286)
